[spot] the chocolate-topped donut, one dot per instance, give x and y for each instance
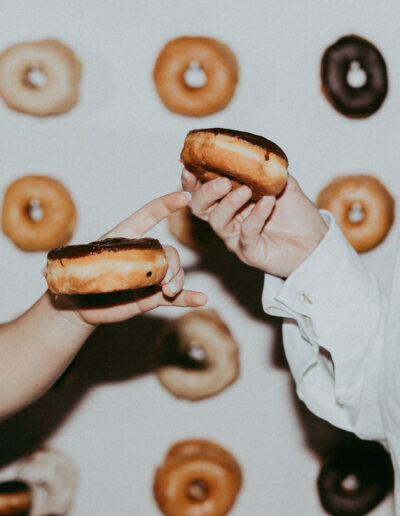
(243, 157)
(338, 61)
(355, 478)
(105, 266)
(15, 498)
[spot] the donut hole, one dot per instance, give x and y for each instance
(35, 78)
(356, 213)
(350, 483)
(197, 490)
(175, 351)
(34, 210)
(194, 76)
(356, 76)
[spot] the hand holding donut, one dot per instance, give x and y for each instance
(169, 293)
(274, 234)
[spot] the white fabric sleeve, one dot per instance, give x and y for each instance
(333, 333)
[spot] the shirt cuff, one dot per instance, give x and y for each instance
(326, 289)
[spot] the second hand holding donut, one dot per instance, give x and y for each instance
(274, 234)
(170, 291)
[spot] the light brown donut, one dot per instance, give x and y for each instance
(60, 67)
(15, 498)
(192, 447)
(57, 223)
(244, 158)
(106, 266)
(216, 60)
(197, 478)
(345, 193)
(204, 332)
(189, 230)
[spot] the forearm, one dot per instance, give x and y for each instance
(35, 349)
(333, 334)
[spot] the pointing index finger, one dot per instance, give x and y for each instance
(144, 219)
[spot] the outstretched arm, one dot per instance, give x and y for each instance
(36, 347)
(332, 308)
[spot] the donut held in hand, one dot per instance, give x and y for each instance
(56, 63)
(198, 478)
(362, 207)
(106, 266)
(15, 498)
(199, 356)
(32, 194)
(244, 158)
(353, 54)
(217, 62)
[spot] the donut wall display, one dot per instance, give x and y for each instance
(101, 104)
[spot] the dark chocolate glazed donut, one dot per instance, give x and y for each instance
(355, 479)
(337, 62)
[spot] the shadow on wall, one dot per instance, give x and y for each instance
(123, 351)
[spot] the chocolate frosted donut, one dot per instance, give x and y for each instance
(244, 158)
(105, 266)
(15, 498)
(343, 57)
(355, 479)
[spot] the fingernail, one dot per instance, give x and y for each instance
(188, 195)
(173, 287)
(221, 184)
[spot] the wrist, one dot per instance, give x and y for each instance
(66, 309)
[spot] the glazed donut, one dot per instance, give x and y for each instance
(197, 478)
(198, 356)
(58, 217)
(352, 54)
(189, 230)
(15, 498)
(53, 479)
(215, 59)
(244, 158)
(362, 207)
(58, 65)
(105, 266)
(355, 479)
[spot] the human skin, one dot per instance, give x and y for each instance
(275, 234)
(37, 347)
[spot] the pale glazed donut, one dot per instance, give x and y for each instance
(190, 230)
(55, 61)
(58, 220)
(216, 60)
(15, 498)
(198, 478)
(369, 195)
(106, 266)
(197, 332)
(53, 480)
(244, 158)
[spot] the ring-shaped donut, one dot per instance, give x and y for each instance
(218, 63)
(58, 215)
(198, 355)
(362, 207)
(355, 479)
(58, 65)
(197, 478)
(338, 61)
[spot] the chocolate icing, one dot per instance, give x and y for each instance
(254, 139)
(13, 486)
(109, 245)
(335, 65)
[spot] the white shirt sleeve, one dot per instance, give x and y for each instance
(333, 333)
